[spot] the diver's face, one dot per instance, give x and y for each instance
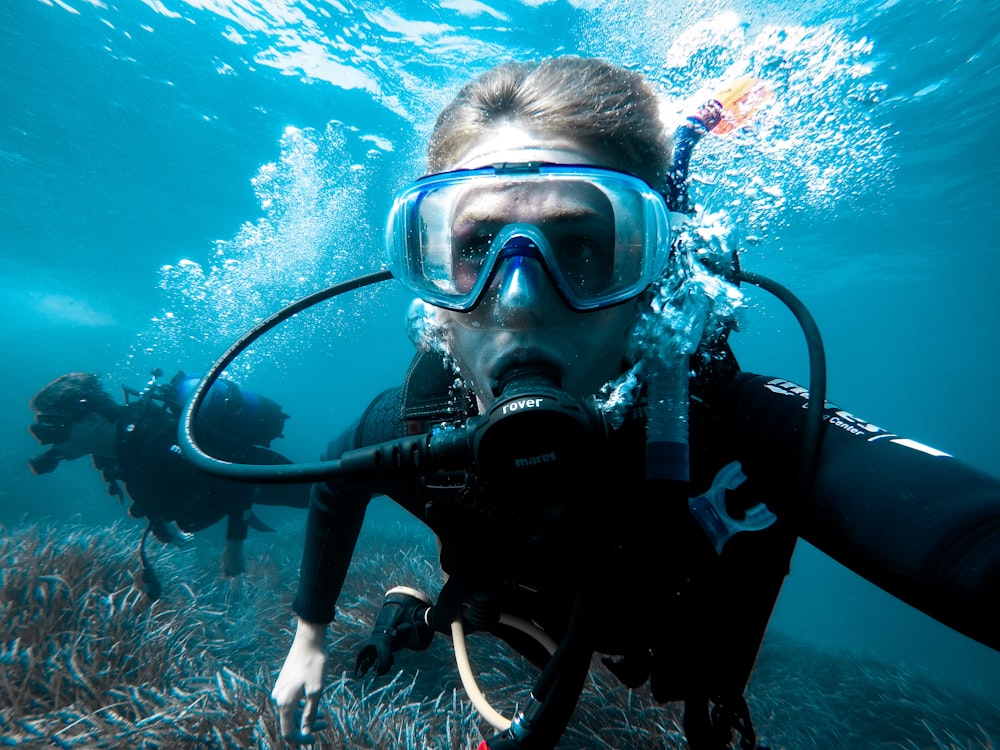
(522, 319)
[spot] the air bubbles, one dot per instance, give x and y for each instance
(312, 232)
(692, 302)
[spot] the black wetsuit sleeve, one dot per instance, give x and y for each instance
(332, 528)
(918, 523)
(336, 514)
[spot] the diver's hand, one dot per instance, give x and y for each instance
(233, 559)
(301, 677)
(708, 114)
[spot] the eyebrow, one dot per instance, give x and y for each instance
(469, 208)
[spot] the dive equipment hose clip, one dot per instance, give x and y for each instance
(709, 509)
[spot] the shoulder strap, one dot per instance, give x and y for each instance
(433, 394)
(429, 395)
(125, 433)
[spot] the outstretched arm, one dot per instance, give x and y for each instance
(913, 520)
(336, 515)
(686, 136)
(332, 530)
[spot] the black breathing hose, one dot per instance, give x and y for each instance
(417, 453)
(812, 433)
(287, 473)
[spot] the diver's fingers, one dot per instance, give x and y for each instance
(309, 713)
(287, 707)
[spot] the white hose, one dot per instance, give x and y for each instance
(499, 722)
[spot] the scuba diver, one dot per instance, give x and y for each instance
(543, 251)
(134, 446)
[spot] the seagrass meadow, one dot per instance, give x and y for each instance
(87, 661)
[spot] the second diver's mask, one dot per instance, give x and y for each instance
(49, 429)
(603, 236)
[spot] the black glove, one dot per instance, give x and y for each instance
(399, 625)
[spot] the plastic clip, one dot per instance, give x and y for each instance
(709, 509)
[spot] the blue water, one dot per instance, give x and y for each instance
(174, 171)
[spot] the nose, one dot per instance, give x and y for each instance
(524, 289)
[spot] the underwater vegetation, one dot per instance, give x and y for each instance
(86, 660)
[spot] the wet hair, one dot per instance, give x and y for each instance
(591, 101)
(75, 395)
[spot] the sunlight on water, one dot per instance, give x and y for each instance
(351, 47)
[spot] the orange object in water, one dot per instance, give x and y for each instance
(740, 101)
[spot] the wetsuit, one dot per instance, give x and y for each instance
(165, 487)
(615, 564)
(922, 525)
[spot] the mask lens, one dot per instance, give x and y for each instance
(581, 235)
(51, 428)
(471, 244)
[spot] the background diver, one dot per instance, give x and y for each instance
(134, 446)
(549, 260)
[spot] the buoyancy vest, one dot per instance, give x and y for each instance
(678, 613)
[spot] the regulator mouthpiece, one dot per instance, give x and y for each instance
(535, 435)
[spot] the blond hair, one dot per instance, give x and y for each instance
(591, 101)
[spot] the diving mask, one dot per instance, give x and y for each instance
(49, 429)
(603, 236)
